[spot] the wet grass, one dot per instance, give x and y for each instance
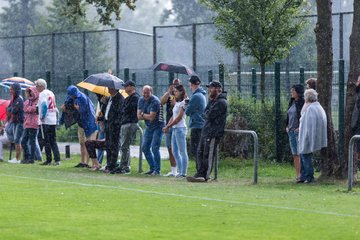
(63, 202)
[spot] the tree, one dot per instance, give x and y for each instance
(105, 8)
(16, 20)
(354, 72)
(323, 32)
(68, 47)
(263, 29)
(187, 12)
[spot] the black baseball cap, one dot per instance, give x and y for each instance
(129, 83)
(195, 80)
(214, 84)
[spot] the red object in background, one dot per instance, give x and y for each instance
(3, 105)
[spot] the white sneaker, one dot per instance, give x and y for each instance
(14, 160)
(170, 174)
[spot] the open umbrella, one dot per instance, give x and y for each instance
(100, 82)
(173, 67)
(98, 89)
(3, 105)
(24, 83)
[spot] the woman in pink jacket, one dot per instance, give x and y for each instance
(31, 126)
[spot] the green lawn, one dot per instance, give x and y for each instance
(62, 202)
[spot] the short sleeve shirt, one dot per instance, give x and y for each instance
(151, 105)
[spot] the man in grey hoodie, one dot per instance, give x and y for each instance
(195, 109)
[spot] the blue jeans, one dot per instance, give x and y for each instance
(28, 143)
(168, 137)
(294, 141)
(151, 147)
(178, 144)
(307, 167)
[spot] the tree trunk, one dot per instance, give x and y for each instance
(323, 32)
(354, 72)
(262, 81)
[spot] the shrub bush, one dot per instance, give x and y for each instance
(248, 114)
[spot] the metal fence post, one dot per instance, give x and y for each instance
(126, 74)
(302, 75)
(238, 77)
(133, 77)
(171, 77)
(117, 55)
(154, 57)
(68, 80)
(222, 75)
(48, 79)
(23, 56)
(278, 121)
(86, 74)
(210, 76)
(194, 46)
(253, 83)
(15, 74)
(341, 109)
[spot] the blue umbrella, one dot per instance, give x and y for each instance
(24, 83)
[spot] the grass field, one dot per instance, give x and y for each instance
(62, 202)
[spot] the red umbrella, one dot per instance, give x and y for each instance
(3, 105)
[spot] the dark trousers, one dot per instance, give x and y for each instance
(28, 143)
(50, 143)
(195, 135)
(205, 157)
(112, 135)
(92, 145)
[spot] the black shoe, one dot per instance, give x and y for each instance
(45, 163)
(80, 165)
(27, 162)
(124, 171)
(149, 172)
(195, 179)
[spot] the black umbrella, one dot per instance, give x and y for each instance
(105, 80)
(173, 67)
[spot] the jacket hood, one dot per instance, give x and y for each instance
(17, 89)
(222, 95)
(35, 93)
(73, 91)
(200, 90)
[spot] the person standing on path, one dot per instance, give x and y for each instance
(195, 109)
(169, 99)
(48, 120)
(212, 132)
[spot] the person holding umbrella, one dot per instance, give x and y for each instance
(149, 110)
(48, 119)
(15, 113)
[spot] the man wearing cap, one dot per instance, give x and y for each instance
(48, 120)
(129, 126)
(195, 109)
(169, 99)
(149, 110)
(212, 132)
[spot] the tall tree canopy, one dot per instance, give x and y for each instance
(105, 8)
(263, 29)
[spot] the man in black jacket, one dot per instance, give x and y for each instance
(129, 126)
(112, 122)
(212, 132)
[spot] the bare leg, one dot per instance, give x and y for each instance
(171, 158)
(297, 165)
(18, 151)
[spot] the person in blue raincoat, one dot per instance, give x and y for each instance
(86, 121)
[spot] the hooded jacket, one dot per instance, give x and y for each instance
(195, 108)
(86, 110)
(16, 106)
(215, 117)
(31, 117)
